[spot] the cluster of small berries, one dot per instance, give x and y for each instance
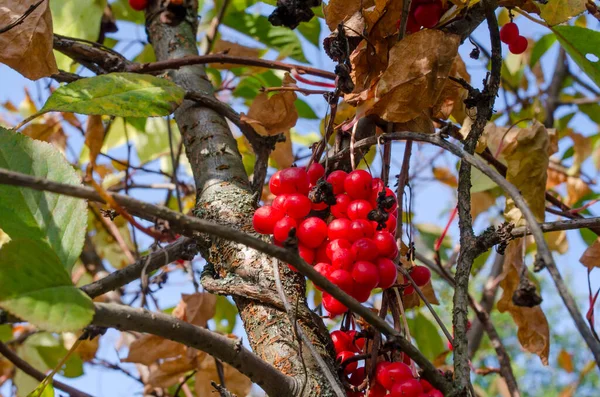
(391, 379)
(346, 231)
(509, 34)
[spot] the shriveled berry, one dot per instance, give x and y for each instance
(509, 32)
(315, 172)
(420, 275)
(366, 274)
(293, 180)
(282, 228)
(358, 184)
(339, 228)
(519, 45)
(387, 272)
(340, 208)
(359, 209)
(360, 228)
(349, 367)
(390, 224)
(138, 5)
(312, 232)
(364, 249)
(337, 178)
(407, 388)
(265, 218)
(297, 205)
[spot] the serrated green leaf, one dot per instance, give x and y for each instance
(225, 315)
(79, 19)
(426, 335)
(56, 221)
(559, 11)
(117, 94)
(541, 47)
(260, 29)
(36, 288)
(581, 43)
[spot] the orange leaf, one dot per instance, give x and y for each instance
(445, 176)
(150, 348)
(565, 361)
(337, 11)
(94, 136)
(196, 308)
(272, 115)
(591, 256)
(236, 382)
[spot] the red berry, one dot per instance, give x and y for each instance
(325, 269)
(359, 209)
(377, 390)
(321, 253)
(275, 183)
(387, 272)
(412, 26)
(339, 228)
(407, 388)
(350, 367)
(358, 376)
(390, 224)
(337, 178)
(293, 180)
(340, 208)
(360, 228)
(357, 343)
(435, 393)
(519, 45)
(364, 249)
(282, 228)
(393, 373)
(509, 32)
(296, 205)
(336, 245)
(138, 5)
(420, 275)
(265, 218)
(361, 292)
(342, 259)
(318, 206)
(366, 274)
(312, 232)
(306, 253)
(428, 15)
(358, 184)
(315, 172)
(333, 306)
(341, 341)
(408, 290)
(343, 279)
(279, 202)
(386, 244)
(426, 386)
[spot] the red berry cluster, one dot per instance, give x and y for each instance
(424, 13)
(391, 379)
(420, 275)
(350, 240)
(509, 34)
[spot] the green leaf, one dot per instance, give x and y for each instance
(43, 390)
(225, 316)
(540, 48)
(559, 11)
(581, 43)
(49, 219)
(52, 355)
(5, 332)
(79, 19)
(260, 29)
(123, 12)
(304, 110)
(36, 288)
(117, 94)
(311, 31)
(426, 336)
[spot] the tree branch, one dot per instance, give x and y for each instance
(125, 318)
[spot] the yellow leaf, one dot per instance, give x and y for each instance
(527, 161)
(94, 136)
(445, 176)
(565, 360)
(236, 382)
(557, 241)
(415, 77)
(555, 12)
(27, 48)
(591, 256)
(272, 115)
(196, 308)
(533, 331)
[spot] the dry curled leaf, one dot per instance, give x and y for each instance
(591, 256)
(480, 202)
(565, 360)
(444, 175)
(196, 308)
(27, 47)
(236, 382)
(533, 330)
(234, 49)
(557, 241)
(451, 99)
(270, 115)
(43, 130)
(169, 372)
(576, 190)
(94, 136)
(148, 349)
(337, 11)
(418, 68)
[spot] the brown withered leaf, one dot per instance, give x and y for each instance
(272, 115)
(337, 11)
(418, 68)
(555, 178)
(236, 382)
(527, 163)
(43, 130)
(414, 300)
(565, 360)
(94, 136)
(382, 19)
(27, 48)
(148, 349)
(87, 348)
(533, 331)
(480, 202)
(582, 147)
(591, 256)
(576, 189)
(422, 123)
(283, 154)
(525, 5)
(169, 372)
(557, 241)
(71, 119)
(234, 49)
(368, 60)
(444, 175)
(450, 101)
(196, 308)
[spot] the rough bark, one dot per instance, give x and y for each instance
(224, 195)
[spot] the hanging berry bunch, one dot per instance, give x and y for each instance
(346, 231)
(509, 34)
